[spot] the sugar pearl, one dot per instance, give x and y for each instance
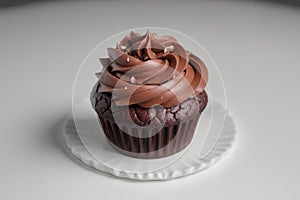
(132, 79)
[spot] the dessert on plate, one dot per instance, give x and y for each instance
(150, 95)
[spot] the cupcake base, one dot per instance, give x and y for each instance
(131, 131)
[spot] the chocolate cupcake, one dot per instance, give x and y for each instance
(150, 95)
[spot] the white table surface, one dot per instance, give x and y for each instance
(256, 46)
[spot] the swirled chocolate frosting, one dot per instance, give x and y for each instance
(150, 70)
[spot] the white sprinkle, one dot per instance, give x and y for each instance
(174, 76)
(146, 58)
(123, 47)
(125, 88)
(161, 97)
(169, 49)
(132, 79)
(128, 59)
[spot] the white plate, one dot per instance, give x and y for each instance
(213, 138)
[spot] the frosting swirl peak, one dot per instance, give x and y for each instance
(149, 70)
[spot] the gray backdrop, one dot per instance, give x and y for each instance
(254, 43)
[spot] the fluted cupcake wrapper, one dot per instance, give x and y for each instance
(134, 142)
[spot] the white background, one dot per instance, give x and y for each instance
(256, 46)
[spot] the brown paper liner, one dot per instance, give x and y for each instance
(168, 141)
